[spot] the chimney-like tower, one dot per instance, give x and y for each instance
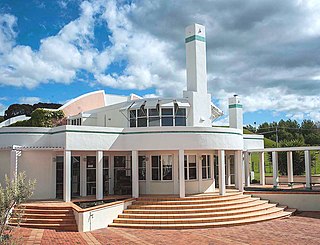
(197, 93)
(235, 113)
(196, 58)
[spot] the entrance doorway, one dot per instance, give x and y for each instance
(75, 176)
(122, 175)
(59, 177)
(216, 170)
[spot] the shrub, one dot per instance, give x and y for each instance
(16, 191)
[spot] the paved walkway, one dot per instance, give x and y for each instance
(300, 229)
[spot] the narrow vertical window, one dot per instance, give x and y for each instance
(133, 118)
(192, 167)
(142, 168)
(206, 168)
(155, 165)
(166, 161)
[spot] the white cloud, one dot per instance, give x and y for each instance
(7, 32)
(2, 109)
(29, 100)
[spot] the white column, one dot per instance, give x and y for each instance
(239, 167)
(247, 168)
(111, 175)
(307, 161)
(13, 164)
(275, 169)
(290, 166)
(228, 170)
(222, 174)
(99, 175)
(67, 176)
(135, 174)
(182, 187)
(261, 166)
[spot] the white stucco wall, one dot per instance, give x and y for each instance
(300, 201)
(157, 138)
(99, 217)
(38, 165)
(253, 141)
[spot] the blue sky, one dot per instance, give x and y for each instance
(266, 52)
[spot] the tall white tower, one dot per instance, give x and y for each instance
(197, 93)
(235, 113)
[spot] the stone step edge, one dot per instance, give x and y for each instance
(48, 208)
(201, 225)
(199, 220)
(200, 210)
(35, 225)
(187, 202)
(26, 215)
(30, 220)
(200, 196)
(43, 211)
(245, 200)
(212, 214)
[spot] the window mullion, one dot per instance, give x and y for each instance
(161, 168)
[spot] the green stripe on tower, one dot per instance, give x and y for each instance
(195, 37)
(235, 106)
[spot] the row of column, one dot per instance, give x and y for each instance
(275, 160)
(135, 173)
(99, 175)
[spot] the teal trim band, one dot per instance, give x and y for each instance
(127, 133)
(252, 138)
(235, 106)
(195, 37)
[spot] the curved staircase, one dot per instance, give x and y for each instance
(45, 216)
(198, 211)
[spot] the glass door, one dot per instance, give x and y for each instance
(122, 175)
(106, 175)
(59, 177)
(75, 176)
(216, 170)
(91, 175)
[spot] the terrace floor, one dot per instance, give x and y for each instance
(303, 228)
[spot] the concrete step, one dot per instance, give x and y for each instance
(45, 211)
(40, 216)
(204, 225)
(45, 220)
(191, 202)
(188, 210)
(200, 220)
(202, 196)
(198, 214)
(48, 216)
(43, 207)
(246, 199)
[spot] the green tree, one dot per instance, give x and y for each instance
(14, 193)
(298, 158)
(42, 118)
(310, 132)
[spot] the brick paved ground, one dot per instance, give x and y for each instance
(304, 228)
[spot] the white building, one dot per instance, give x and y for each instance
(132, 145)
